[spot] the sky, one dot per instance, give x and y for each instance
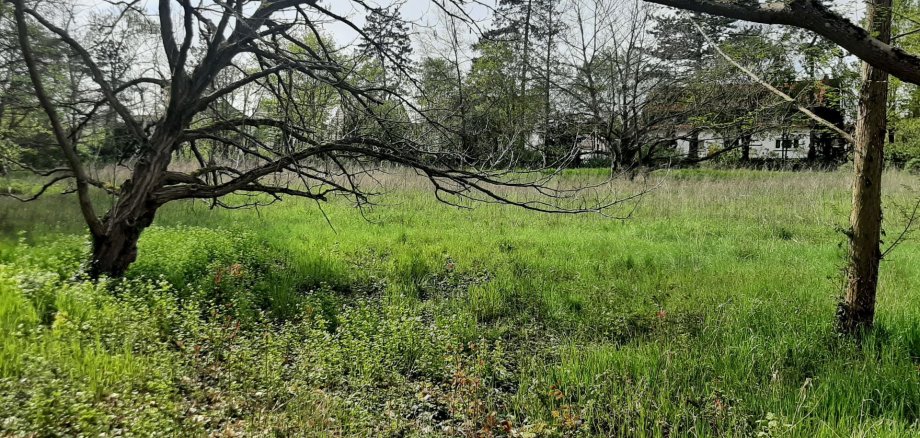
(423, 14)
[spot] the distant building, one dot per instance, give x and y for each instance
(749, 119)
(591, 147)
(790, 142)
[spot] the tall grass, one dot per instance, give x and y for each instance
(707, 313)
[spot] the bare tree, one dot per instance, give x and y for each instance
(618, 84)
(220, 59)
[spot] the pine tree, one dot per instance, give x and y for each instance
(386, 37)
(680, 42)
(516, 23)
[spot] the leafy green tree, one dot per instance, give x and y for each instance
(501, 119)
(386, 41)
(680, 43)
(904, 97)
(24, 132)
(532, 29)
(440, 100)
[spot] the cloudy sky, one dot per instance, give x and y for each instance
(423, 14)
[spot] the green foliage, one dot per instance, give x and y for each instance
(707, 314)
(118, 144)
(906, 147)
(25, 135)
(913, 165)
(501, 117)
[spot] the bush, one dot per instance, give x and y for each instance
(906, 147)
(913, 166)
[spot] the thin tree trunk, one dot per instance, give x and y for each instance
(526, 65)
(693, 150)
(746, 148)
(857, 310)
(461, 96)
(546, 93)
(812, 147)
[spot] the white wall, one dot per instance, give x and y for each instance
(763, 145)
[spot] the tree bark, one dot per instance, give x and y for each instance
(857, 310)
(526, 65)
(746, 148)
(812, 148)
(547, 84)
(115, 248)
(115, 251)
(693, 150)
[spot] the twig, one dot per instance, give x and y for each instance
(907, 229)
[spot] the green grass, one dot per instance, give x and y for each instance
(708, 313)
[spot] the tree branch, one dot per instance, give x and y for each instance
(70, 153)
(96, 74)
(813, 15)
(846, 135)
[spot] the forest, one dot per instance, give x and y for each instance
(522, 218)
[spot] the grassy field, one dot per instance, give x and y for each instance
(708, 313)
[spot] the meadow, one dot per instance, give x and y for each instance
(708, 312)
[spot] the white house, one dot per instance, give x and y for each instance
(789, 143)
(748, 118)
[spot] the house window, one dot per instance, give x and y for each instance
(787, 143)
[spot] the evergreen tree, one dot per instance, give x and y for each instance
(386, 37)
(679, 42)
(531, 27)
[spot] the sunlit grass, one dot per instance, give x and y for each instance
(707, 313)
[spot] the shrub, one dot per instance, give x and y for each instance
(906, 147)
(216, 268)
(913, 165)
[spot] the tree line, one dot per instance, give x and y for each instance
(530, 89)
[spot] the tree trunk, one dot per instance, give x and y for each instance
(746, 148)
(614, 152)
(857, 310)
(526, 65)
(693, 151)
(115, 250)
(812, 147)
